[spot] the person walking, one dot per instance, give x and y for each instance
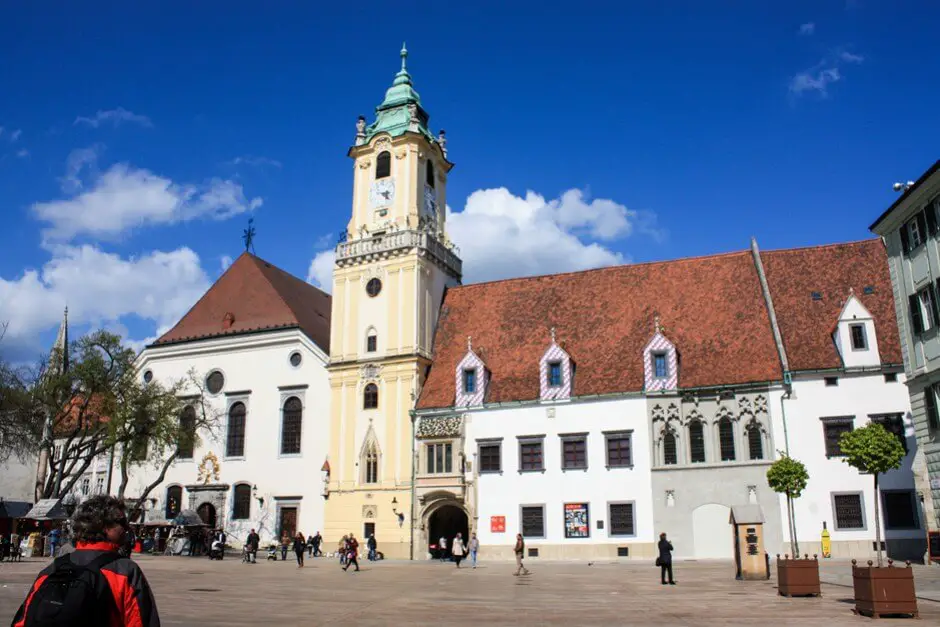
(299, 547)
(665, 559)
(519, 550)
(457, 549)
(285, 542)
(442, 548)
(372, 544)
(352, 553)
(253, 541)
(474, 548)
(99, 525)
(54, 541)
(343, 549)
(317, 543)
(309, 546)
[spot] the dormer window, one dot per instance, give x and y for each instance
(470, 381)
(660, 366)
(383, 165)
(554, 374)
(859, 339)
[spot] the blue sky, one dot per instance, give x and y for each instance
(138, 138)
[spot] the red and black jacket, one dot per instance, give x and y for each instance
(132, 595)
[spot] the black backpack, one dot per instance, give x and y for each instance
(73, 595)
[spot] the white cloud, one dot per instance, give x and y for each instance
(15, 135)
(828, 71)
(320, 272)
(99, 289)
(225, 261)
(255, 161)
(22, 154)
(124, 198)
(114, 116)
(807, 29)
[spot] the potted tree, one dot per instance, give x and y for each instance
(795, 577)
(879, 590)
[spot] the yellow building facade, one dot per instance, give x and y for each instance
(388, 282)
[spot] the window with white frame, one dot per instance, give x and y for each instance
(923, 310)
(85, 486)
(859, 338)
(915, 231)
(930, 408)
(848, 511)
(532, 520)
(621, 519)
(439, 458)
(99, 484)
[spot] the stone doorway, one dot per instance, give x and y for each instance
(206, 513)
(447, 521)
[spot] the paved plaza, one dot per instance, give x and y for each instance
(195, 591)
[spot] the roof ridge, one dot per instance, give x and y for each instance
(870, 240)
(605, 268)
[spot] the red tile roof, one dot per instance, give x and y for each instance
(711, 308)
(806, 324)
(253, 295)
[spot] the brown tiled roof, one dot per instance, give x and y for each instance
(806, 324)
(711, 308)
(253, 295)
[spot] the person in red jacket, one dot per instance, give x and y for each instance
(99, 526)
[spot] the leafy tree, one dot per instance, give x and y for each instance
(19, 427)
(872, 450)
(788, 476)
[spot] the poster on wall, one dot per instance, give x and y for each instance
(497, 524)
(577, 522)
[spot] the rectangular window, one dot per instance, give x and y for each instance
(554, 375)
(371, 343)
(660, 367)
(619, 450)
(621, 519)
(859, 340)
(490, 457)
(900, 509)
(893, 423)
(831, 381)
(99, 485)
(86, 485)
(848, 511)
(440, 458)
(930, 408)
(915, 231)
(533, 521)
(833, 428)
(891, 377)
(577, 520)
(574, 452)
(928, 309)
(530, 455)
(470, 381)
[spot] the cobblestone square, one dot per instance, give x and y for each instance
(193, 591)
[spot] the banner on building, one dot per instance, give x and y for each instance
(577, 522)
(497, 524)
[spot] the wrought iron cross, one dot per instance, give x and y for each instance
(248, 235)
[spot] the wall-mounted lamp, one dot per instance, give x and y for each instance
(395, 506)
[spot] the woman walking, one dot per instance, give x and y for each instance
(474, 547)
(457, 549)
(299, 547)
(665, 559)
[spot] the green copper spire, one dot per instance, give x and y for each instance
(401, 110)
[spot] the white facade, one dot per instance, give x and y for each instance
(504, 493)
(258, 372)
(850, 398)
(17, 478)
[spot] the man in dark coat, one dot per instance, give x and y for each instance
(665, 559)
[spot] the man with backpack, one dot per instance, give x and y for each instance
(92, 585)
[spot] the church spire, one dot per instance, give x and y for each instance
(400, 112)
(59, 356)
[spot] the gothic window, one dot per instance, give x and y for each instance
(291, 426)
(430, 174)
(383, 165)
(241, 503)
(696, 442)
(187, 434)
(370, 396)
(726, 439)
(235, 439)
(371, 465)
(669, 449)
(372, 341)
(755, 441)
(174, 499)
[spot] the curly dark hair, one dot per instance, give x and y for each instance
(95, 516)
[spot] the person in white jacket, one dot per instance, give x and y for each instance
(457, 549)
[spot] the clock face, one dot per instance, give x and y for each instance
(430, 200)
(382, 193)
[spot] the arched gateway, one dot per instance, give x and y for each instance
(446, 521)
(206, 512)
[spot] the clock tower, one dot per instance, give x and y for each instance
(391, 270)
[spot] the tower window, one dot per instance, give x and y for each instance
(670, 458)
(372, 342)
(383, 165)
(470, 381)
(429, 171)
(726, 439)
(373, 287)
(370, 397)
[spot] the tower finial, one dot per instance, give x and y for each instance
(656, 324)
(469, 343)
(553, 334)
(404, 56)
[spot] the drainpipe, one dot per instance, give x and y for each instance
(411, 552)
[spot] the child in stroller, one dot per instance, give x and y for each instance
(215, 551)
(272, 553)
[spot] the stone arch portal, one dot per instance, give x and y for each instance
(447, 521)
(206, 512)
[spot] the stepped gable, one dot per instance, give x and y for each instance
(251, 296)
(711, 308)
(806, 324)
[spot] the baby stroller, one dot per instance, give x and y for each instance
(215, 551)
(246, 553)
(272, 553)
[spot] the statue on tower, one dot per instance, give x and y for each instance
(361, 130)
(442, 141)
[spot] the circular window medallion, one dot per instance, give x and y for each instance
(373, 287)
(214, 382)
(148, 376)
(295, 359)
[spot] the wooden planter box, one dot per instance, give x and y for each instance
(884, 591)
(798, 577)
